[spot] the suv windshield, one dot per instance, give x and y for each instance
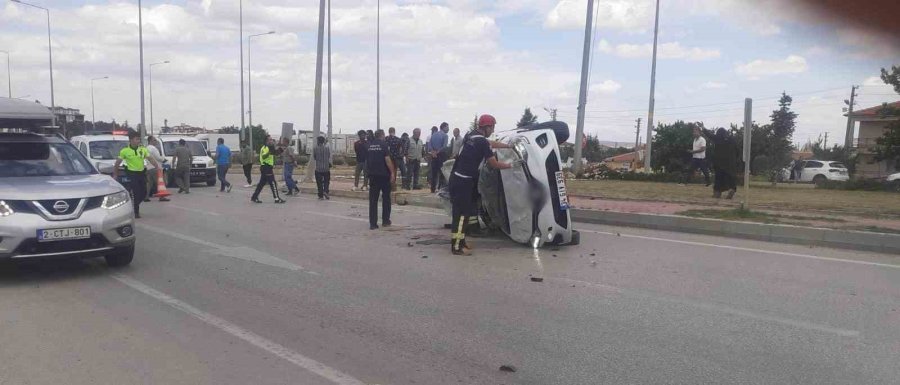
(42, 159)
(196, 148)
(107, 149)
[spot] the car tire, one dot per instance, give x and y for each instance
(120, 257)
(576, 238)
(819, 179)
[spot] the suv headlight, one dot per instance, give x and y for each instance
(210, 163)
(112, 201)
(5, 209)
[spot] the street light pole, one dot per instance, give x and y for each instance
(150, 81)
(250, 81)
(93, 111)
(582, 94)
(241, 27)
(50, 50)
(378, 68)
(8, 74)
(143, 129)
(329, 72)
(647, 163)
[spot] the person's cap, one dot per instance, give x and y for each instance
(486, 120)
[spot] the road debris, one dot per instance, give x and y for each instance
(424, 256)
(594, 263)
(409, 244)
(508, 368)
(537, 279)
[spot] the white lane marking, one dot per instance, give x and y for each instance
(239, 252)
(204, 212)
(719, 308)
(324, 371)
(737, 248)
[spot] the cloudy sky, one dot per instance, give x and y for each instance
(450, 60)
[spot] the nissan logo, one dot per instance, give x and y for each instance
(61, 206)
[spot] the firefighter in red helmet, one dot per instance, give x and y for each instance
(476, 149)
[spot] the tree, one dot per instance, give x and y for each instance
(780, 137)
(474, 124)
(527, 118)
(229, 130)
(592, 151)
(892, 78)
(672, 145)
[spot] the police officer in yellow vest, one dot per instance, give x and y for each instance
(134, 155)
(266, 168)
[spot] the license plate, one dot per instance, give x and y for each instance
(63, 234)
(198, 173)
(561, 188)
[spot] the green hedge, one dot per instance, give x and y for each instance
(338, 161)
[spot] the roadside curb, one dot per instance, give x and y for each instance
(809, 236)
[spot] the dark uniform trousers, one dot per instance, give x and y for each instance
(267, 178)
(464, 198)
(379, 185)
(138, 182)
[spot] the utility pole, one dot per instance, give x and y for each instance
(825, 146)
(378, 67)
(241, 31)
(637, 134)
(748, 127)
(317, 99)
(329, 73)
(848, 140)
(582, 94)
(143, 129)
(649, 156)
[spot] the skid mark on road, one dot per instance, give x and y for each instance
(322, 370)
(737, 248)
(717, 308)
(239, 252)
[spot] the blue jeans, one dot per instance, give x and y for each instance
(289, 177)
(222, 171)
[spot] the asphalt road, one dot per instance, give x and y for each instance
(223, 291)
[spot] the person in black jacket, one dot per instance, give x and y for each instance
(381, 173)
(725, 164)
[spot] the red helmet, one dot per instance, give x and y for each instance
(486, 120)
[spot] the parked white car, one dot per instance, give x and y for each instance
(893, 181)
(817, 171)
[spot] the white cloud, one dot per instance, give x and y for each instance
(713, 85)
(793, 64)
(673, 50)
(605, 87)
(624, 15)
(873, 81)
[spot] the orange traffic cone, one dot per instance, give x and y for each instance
(161, 191)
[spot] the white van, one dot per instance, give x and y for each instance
(101, 150)
(203, 167)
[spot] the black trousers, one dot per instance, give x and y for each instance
(323, 181)
(379, 185)
(411, 179)
(267, 178)
(464, 198)
(436, 178)
(697, 164)
(138, 182)
(247, 169)
(724, 181)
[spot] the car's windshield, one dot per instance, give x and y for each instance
(42, 159)
(107, 149)
(196, 148)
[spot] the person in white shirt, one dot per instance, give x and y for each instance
(698, 158)
(153, 149)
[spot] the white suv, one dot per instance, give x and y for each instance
(102, 150)
(203, 167)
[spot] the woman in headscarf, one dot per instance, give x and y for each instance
(725, 164)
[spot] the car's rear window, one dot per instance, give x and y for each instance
(42, 159)
(837, 165)
(107, 149)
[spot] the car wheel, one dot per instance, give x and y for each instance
(121, 257)
(895, 186)
(819, 179)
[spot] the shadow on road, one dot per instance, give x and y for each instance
(31, 272)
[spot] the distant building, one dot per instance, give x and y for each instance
(630, 161)
(184, 129)
(872, 125)
(68, 118)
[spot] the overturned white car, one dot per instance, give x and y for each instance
(527, 202)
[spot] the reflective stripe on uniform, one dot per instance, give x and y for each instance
(461, 175)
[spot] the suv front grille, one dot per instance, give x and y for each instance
(32, 246)
(51, 204)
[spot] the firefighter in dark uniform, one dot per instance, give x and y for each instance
(133, 156)
(476, 149)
